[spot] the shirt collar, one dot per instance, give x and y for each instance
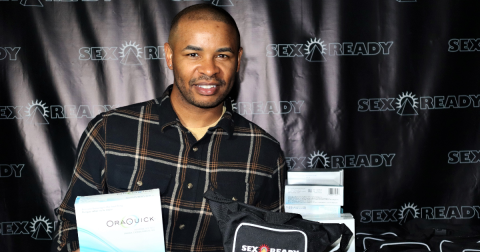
(168, 117)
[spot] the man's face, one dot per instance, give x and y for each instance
(204, 56)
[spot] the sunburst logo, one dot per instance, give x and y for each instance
(315, 50)
(31, 3)
(318, 160)
(407, 104)
(264, 248)
(38, 112)
(408, 211)
(222, 2)
(130, 53)
(41, 228)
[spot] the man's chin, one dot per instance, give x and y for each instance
(206, 104)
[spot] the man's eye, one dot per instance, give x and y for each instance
(193, 54)
(222, 56)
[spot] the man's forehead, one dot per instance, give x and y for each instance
(188, 24)
(189, 33)
(199, 48)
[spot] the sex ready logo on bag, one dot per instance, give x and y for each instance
(411, 211)
(265, 248)
(407, 104)
(221, 3)
(317, 50)
(40, 228)
(37, 112)
(130, 53)
(11, 170)
(320, 160)
(39, 3)
(9, 53)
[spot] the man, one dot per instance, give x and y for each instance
(184, 143)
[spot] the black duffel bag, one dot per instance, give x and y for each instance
(248, 228)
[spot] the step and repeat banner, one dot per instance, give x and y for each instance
(386, 89)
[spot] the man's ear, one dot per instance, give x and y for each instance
(239, 58)
(168, 55)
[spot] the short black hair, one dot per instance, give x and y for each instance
(205, 12)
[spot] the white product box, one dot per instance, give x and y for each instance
(314, 195)
(344, 218)
(332, 177)
(312, 209)
(120, 222)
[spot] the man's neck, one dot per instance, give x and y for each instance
(192, 116)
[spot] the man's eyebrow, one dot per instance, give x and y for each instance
(193, 48)
(225, 49)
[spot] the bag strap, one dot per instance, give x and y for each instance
(280, 218)
(346, 236)
(234, 206)
(214, 196)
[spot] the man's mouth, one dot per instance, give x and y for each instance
(206, 89)
(207, 86)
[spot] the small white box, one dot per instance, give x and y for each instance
(344, 218)
(332, 177)
(312, 209)
(130, 221)
(314, 195)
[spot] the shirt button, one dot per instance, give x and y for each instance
(234, 199)
(195, 148)
(181, 227)
(190, 186)
(139, 183)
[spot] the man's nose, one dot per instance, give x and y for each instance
(209, 67)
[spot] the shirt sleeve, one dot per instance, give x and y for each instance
(87, 179)
(274, 198)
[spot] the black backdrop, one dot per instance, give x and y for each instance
(387, 89)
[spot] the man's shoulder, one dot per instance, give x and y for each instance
(133, 111)
(244, 126)
(142, 110)
(136, 107)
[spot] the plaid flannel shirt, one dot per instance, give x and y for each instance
(144, 146)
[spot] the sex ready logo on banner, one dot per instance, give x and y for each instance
(320, 160)
(9, 53)
(38, 112)
(410, 211)
(11, 170)
(268, 107)
(407, 104)
(39, 228)
(464, 157)
(464, 45)
(221, 3)
(130, 53)
(317, 50)
(39, 3)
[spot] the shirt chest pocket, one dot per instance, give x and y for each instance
(241, 191)
(124, 178)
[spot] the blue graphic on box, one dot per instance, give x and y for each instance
(93, 243)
